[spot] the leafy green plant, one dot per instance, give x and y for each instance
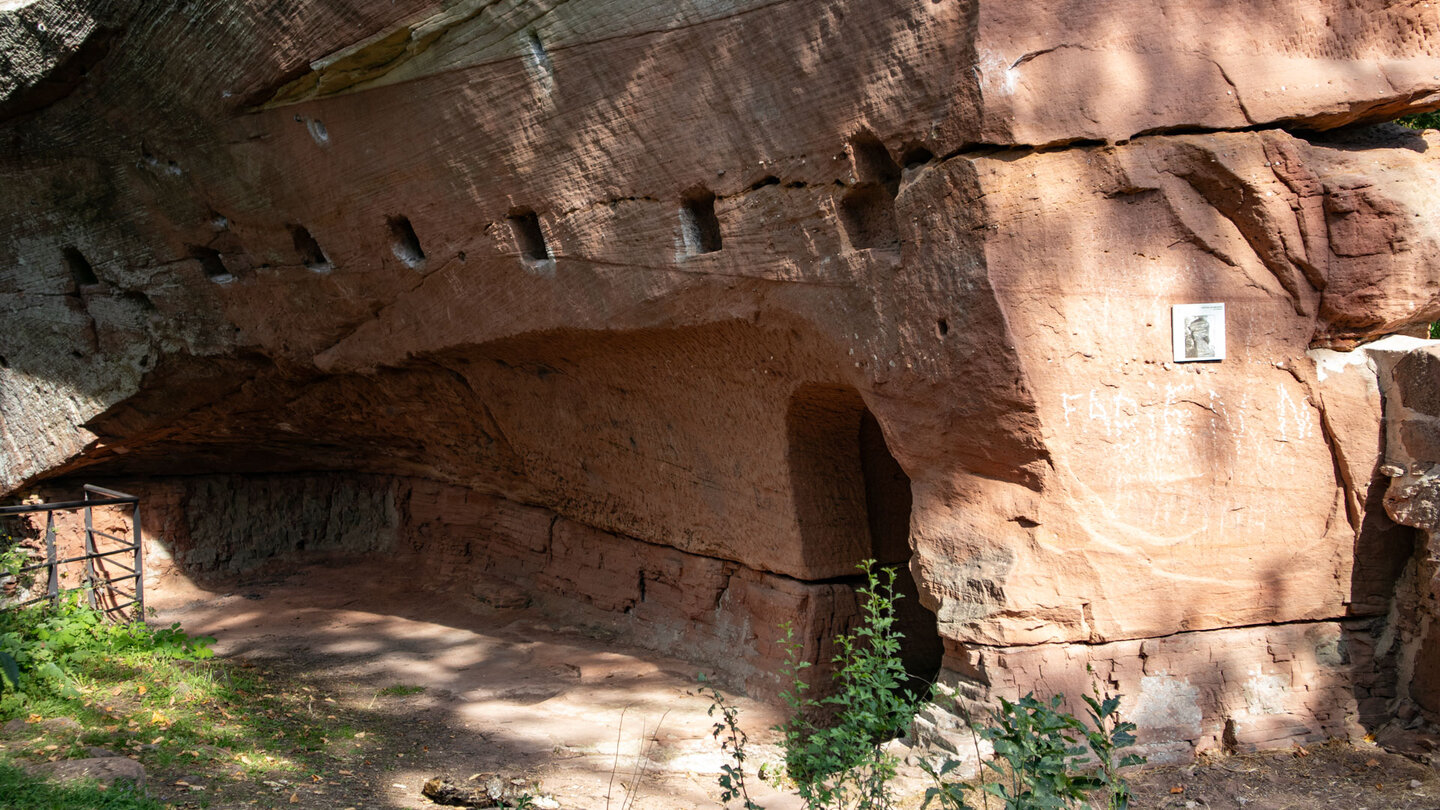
(1039, 762)
(835, 747)
(1430, 120)
(1036, 742)
(9, 672)
(49, 644)
(733, 741)
(1045, 758)
(842, 762)
(1108, 737)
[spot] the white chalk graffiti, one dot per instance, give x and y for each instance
(1171, 451)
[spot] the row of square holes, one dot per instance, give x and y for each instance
(866, 212)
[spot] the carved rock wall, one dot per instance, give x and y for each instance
(726, 293)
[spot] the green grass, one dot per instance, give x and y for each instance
(20, 791)
(400, 690)
(230, 723)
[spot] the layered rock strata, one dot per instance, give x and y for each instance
(732, 296)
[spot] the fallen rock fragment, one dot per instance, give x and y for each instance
(481, 790)
(105, 770)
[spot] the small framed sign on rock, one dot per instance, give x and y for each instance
(1198, 332)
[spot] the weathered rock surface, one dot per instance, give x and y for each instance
(105, 770)
(1409, 372)
(680, 311)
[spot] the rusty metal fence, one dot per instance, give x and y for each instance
(99, 582)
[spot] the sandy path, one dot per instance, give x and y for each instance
(515, 691)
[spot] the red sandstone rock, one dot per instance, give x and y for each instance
(680, 312)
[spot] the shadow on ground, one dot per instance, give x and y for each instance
(513, 691)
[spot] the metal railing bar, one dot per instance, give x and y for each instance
(52, 586)
(87, 557)
(94, 577)
(89, 550)
(112, 552)
(63, 506)
(113, 493)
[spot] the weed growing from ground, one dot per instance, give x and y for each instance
(1045, 759)
(1039, 762)
(732, 743)
(835, 747)
(843, 763)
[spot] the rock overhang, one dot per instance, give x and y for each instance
(463, 243)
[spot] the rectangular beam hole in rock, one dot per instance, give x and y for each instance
(404, 243)
(311, 254)
(868, 214)
(210, 262)
(80, 268)
(699, 227)
(528, 237)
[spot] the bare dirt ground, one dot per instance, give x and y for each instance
(504, 691)
(435, 683)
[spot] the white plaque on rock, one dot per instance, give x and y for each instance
(1198, 332)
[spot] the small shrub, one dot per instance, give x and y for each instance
(841, 763)
(1045, 759)
(1430, 120)
(1039, 762)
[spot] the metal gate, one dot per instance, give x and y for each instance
(98, 580)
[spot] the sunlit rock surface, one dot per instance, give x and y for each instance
(679, 310)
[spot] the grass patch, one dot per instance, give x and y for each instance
(400, 690)
(21, 791)
(231, 726)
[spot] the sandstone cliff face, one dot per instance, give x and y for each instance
(725, 297)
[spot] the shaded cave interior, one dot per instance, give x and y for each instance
(847, 484)
(258, 467)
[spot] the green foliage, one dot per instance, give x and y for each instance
(1108, 737)
(1430, 120)
(732, 742)
(1039, 762)
(1045, 759)
(47, 645)
(9, 672)
(1036, 741)
(400, 690)
(12, 559)
(843, 763)
(20, 791)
